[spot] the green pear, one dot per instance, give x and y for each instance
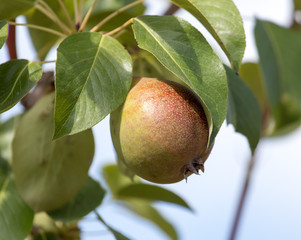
(160, 133)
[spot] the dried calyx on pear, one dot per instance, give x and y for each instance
(161, 132)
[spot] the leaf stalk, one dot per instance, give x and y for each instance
(114, 14)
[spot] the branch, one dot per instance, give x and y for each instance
(242, 197)
(171, 10)
(44, 86)
(11, 41)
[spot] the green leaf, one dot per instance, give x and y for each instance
(297, 4)
(114, 179)
(117, 181)
(222, 19)
(145, 210)
(117, 234)
(47, 236)
(44, 41)
(49, 173)
(280, 54)
(106, 7)
(151, 193)
(3, 32)
(93, 77)
(12, 8)
(17, 78)
(88, 198)
(15, 216)
(243, 109)
(252, 76)
(146, 65)
(184, 51)
(7, 131)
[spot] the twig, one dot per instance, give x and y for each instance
(120, 28)
(81, 11)
(76, 15)
(242, 197)
(171, 10)
(83, 25)
(50, 14)
(11, 41)
(105, 20)
(39, 28)
(67, 15)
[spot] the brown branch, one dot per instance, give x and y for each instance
(11, 41)
(44, 86)
(171, 10)
(242, 197)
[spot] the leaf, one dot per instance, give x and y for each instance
(3, 32)
(280, 54)
(117, 234)
(12, 8)
(44, 41)
(243, 109)
(88, 198)
(185, 52)
(17, 78)
(15, 216)
(93, 77)
(145, 210)
(252, 76)
(117, 181)
(104, 8)
(114, 179)
(49, 173)
(222, 19)
(297, 4)
(7, 131)
(47, 236)
(151, 193)
(145, 64)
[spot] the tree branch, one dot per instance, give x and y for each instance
(171, 10)
(44, 86)
(11, 41)
(242, 197)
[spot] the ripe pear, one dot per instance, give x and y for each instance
(160, 133)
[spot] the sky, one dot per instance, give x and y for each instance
(272, 209)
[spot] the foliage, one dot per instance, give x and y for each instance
(45, 153)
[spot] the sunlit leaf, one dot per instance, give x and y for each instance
(88, 198)
(222, 19)
(151, 193)
(280, 56)
(93, 76)
(243, 109)
(15, 216)
(17, 78)
(52, 172)
(12, 8)
(184, 51)
(3, 32)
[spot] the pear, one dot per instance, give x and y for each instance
(160, 133)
